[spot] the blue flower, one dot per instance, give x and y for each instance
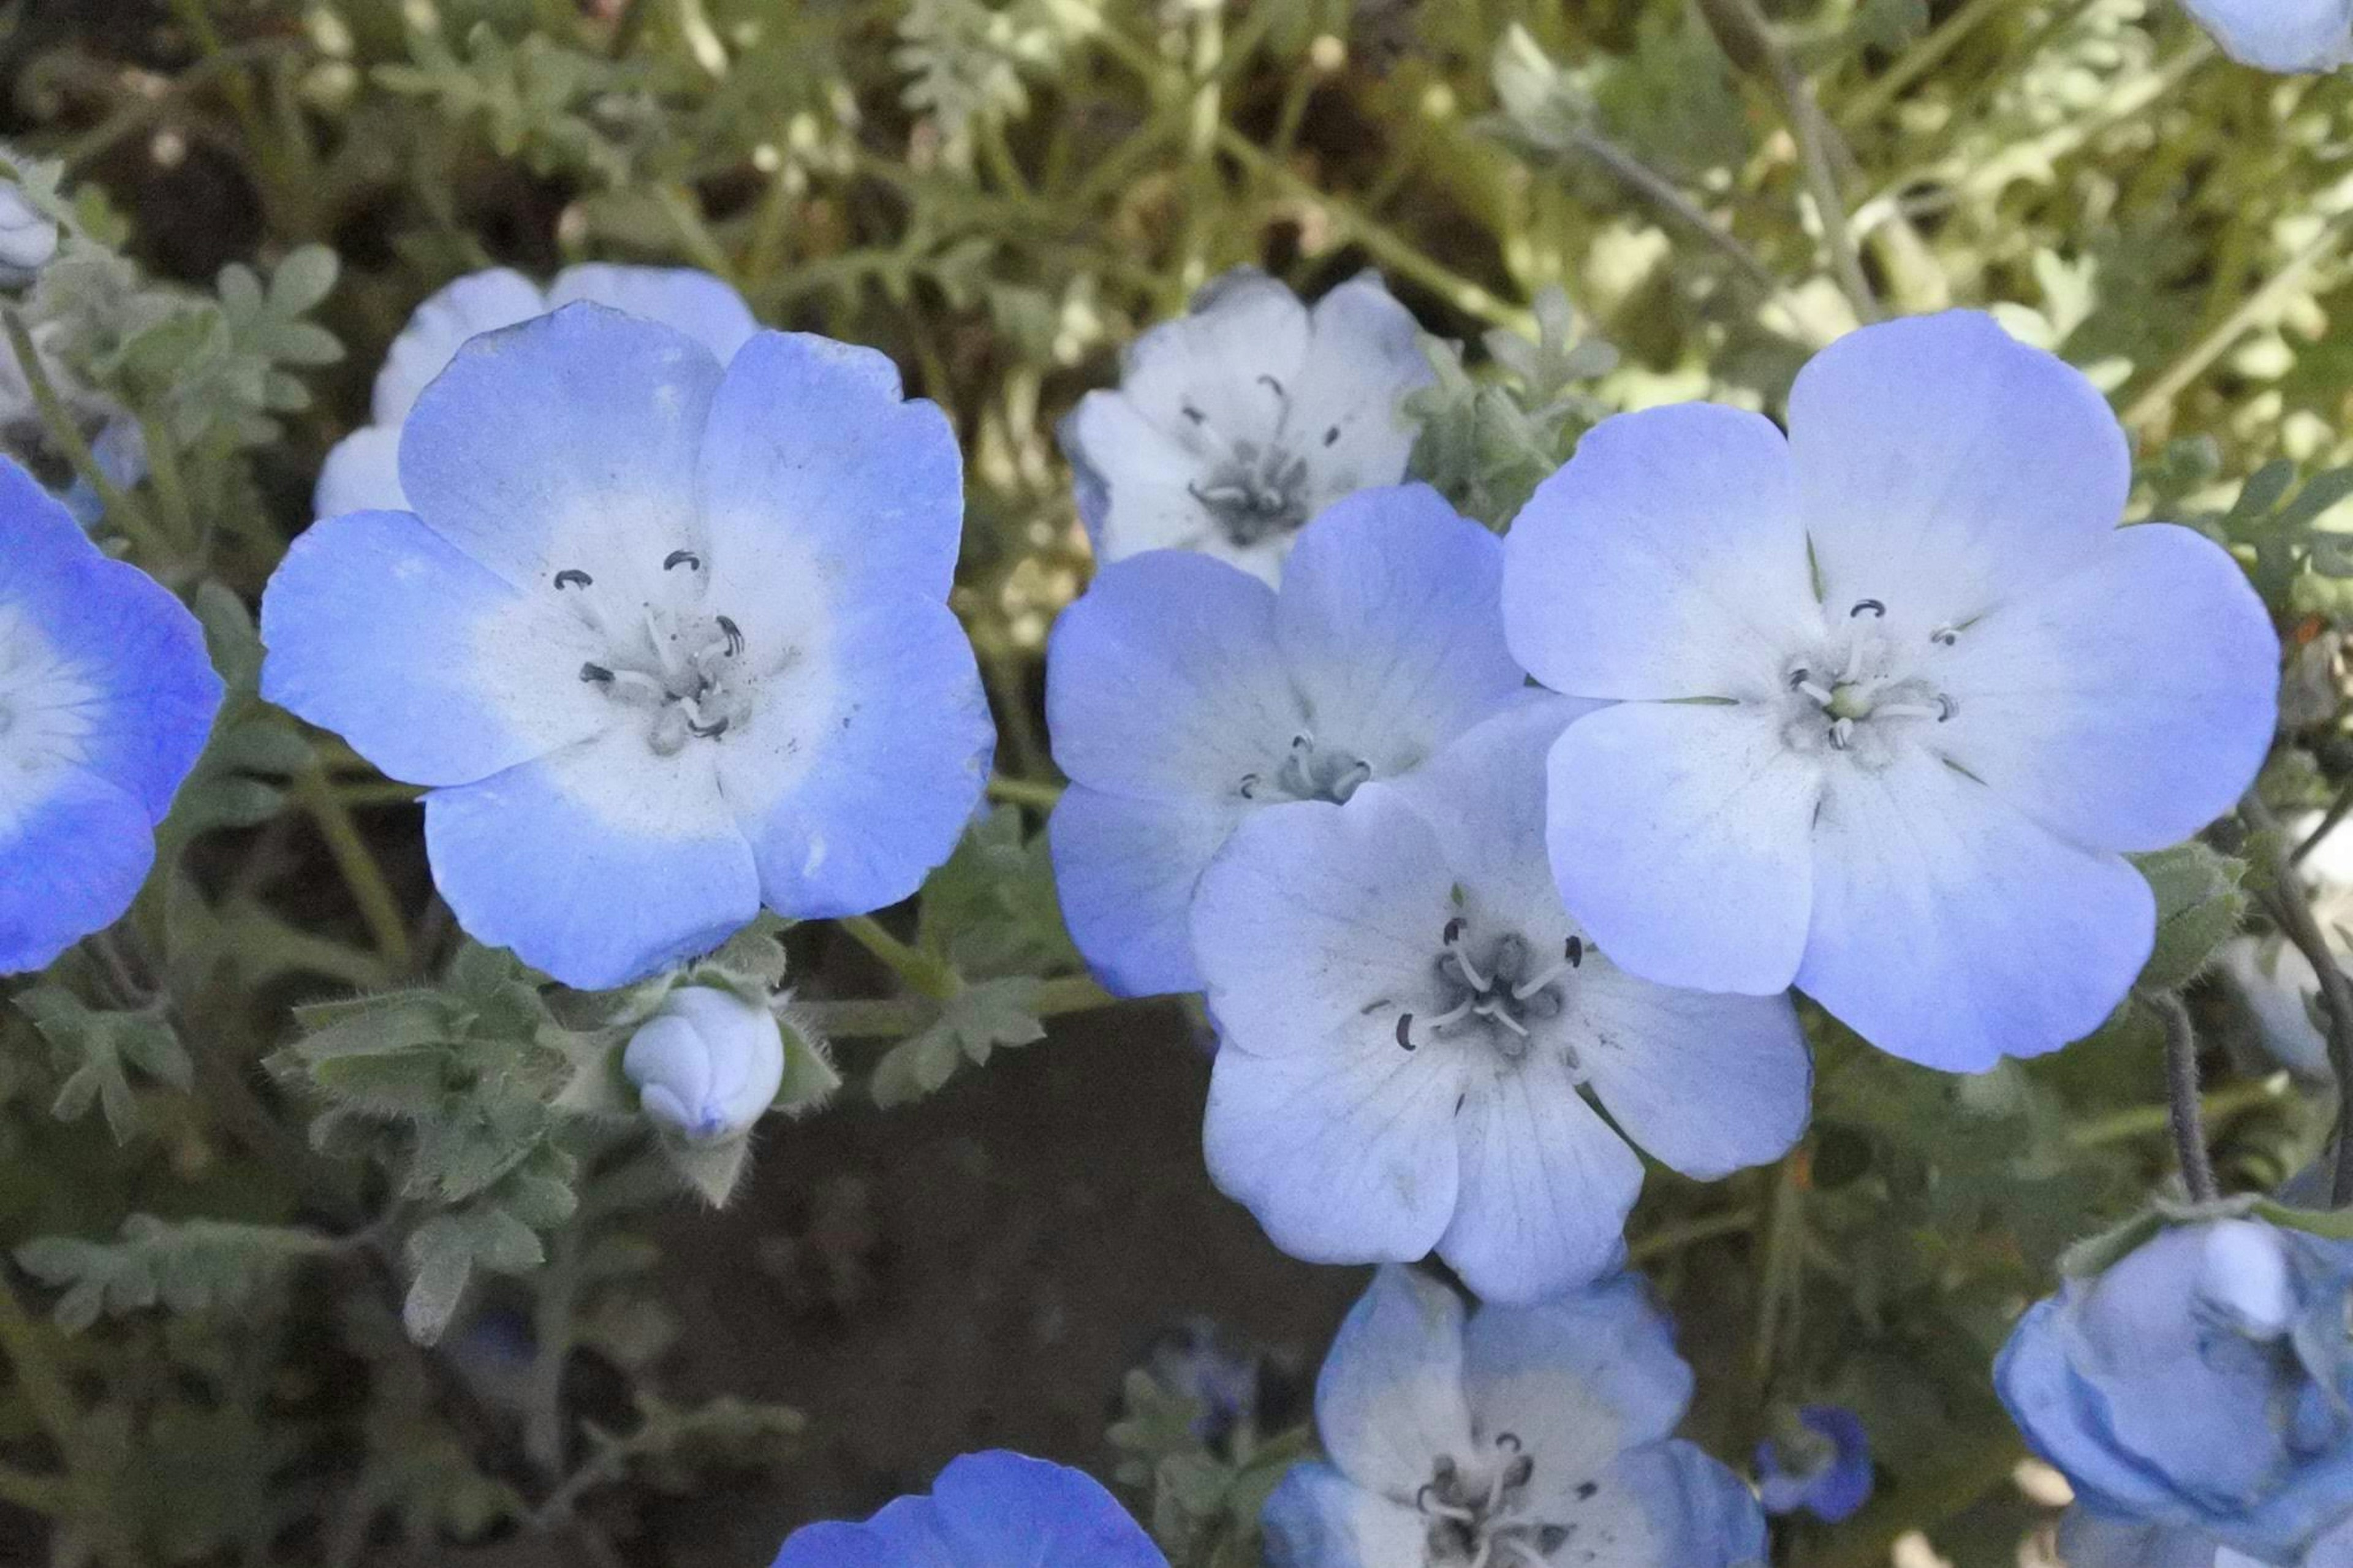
(1408, 1018)
(1238, 422)
(363, 473)
(2200, 1386)
(1892, 693)
(1822, 1465)
(114, 436)
(666, 642)
(106, 699)
(1519, 1437)
(2280, 34)
(986, 1510)
(1185, 697)
(28, 236)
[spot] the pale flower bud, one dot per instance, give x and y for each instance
(707, 1063)
(27, 236)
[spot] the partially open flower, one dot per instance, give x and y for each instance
(707, 1064)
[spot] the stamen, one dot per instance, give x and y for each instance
(1249, 786)
(676, 558)
(1405, 1030)
(1494, 1009)
(1946, 637)
(711, 731)
(597, 673)
(1470, 970)
(572, 577)
(1878, 610)
(1576, 951)
(1534, 983)
(733, 633)
(1510, 1441)
(1454, 932)
(1946, 708)
(1274, 386)
(1332, 436)
(1842, 734)
(1453, 1015)
(1192, 413)
(1818, 693)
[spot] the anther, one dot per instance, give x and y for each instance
(1946, 637)
(596, 673)
(678, 558)
(1405, 1030)
(1192, 413)
(1274, 386)
(1454, 932)
(1801, 678)
(711, 731)
(572, 577)
(1332, 436)
(1575, 950)
(1841, 734)
(734, 634)
(1249, 786)
(1510, 1441)
(1946, 708)
(1878, 610)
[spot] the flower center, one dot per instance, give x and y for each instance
(1307, 771)
(1477, 1515)
(1492, 987)
(682, 668)
(1256, 490)
(1859, 691)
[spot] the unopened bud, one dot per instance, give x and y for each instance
(28, 238)
(707, 1064)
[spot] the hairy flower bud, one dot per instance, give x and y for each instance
(27, 236)
(707, 1063)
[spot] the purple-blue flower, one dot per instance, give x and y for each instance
(1410, 1023)
(1236, 423)
(1185, 697)
(106, 699)
(1511, 1437)
(1894, 694)
(667, 641)
(1821, 1464)
(2195, 1395)
(2295, 36)
(993, 1510)
(363, 473)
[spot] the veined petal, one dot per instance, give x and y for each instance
(1706, 1084)
(1665, 560)
(864, 762)
(1239, 327)
(1951, 930)
(1002, 1507)
(1345, 1152)
(70, 863)
(431, 666)
(1578, 1380)
(705, 308)
(1164, 680)
(1363, 356)
(1943, 466)
(569, 443)
(1672, 1506)
(1483, 794)
(1318, 1517)
(1389, 1403)
(599, 864)
(1391, 623)
(1680, 837)
(1546, 1185)
(1125, 869)
(1134, 482)
(817, 469)
(2125, 705)
(462, 309)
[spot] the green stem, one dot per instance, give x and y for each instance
(44, 1387)
(559, 1293)
(2186, 1113)
(895, 1019)
(920, 972)
(2286, 901)
(1024, 792)
(378, 906)
(1668, 1240)
(2147, 1120)
(122, 511)
(51, 1495)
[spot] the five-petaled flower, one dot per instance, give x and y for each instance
(2196, 1396)
(1408, 1017)
(1185, 697)
(1894, 692)
(1239, 421)
(1507, 1438)
(363, 473)
(667, 641)
(106, 699)
(985, 1511)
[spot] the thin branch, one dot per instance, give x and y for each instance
(2291, 910)
(2181, 1086)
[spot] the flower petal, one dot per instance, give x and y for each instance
(2127, 704)
(1664, 561)
(1578, 1380)
(1545, 1186)
(1002, 1507)
(2279, 34)
(462, 309)
(433, 668)
(1125, 869)
(1680, 838)
(1943, 464)
(1706, 1084)
(1317, 1517)
(1345, 1153)
(1134, 482)
(904, 1534)
(1391, 623)
(1389, 1403)
(568, 443)
(1363, 356)
(70, 864)
(705, 308)
(362, 473)
(599, 864)
(1672, 1506)
(1951, 929)
(1164, 681)
(1240, 326)
(857, 776)
(816, 467)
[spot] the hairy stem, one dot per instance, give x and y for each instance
(122, 510)
(920, 970)
(2291, 910)
(559, 1293)
(2188, 1116)
(379, 906)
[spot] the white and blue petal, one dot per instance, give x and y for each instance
(461, 310)
(1671, 1505)
(1545, 1188)
(2295, 36)
(1390, 1401)
(1952, 929)
(1318, 1517)
(704, 307)
(1125, 869)
(2127, 704)
(72, 858)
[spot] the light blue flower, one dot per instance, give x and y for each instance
(994, 1510)
(666, 642)
(1821, 1465)
(1185, 697)
(1242, 419)
(2280, 34)
(2200, 1386)
(1509, 1437)
(707, 1064)
(363, 473)
(115, 440)
(28, 236)
(106, 699)
(1893, 692)
(1408, 1018)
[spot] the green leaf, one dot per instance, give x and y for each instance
(2199, 907)
(189, 1265)
(95, 1052)
(976, 1021)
